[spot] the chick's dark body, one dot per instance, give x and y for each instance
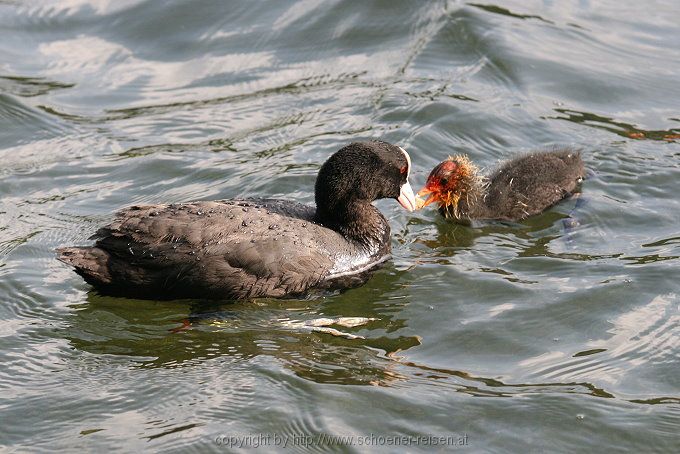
(522, 187)
(527, 185)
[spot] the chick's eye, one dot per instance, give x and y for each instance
(444, 181)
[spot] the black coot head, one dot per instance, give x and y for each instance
(364, 171)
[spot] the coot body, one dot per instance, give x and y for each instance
(236, 249)
(522, 187)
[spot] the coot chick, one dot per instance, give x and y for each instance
(236, 249)
(520, 188)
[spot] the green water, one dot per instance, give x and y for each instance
(498, 337)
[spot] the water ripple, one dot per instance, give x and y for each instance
(644, 337)
(571, 335)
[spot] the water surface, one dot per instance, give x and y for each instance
(522, 337)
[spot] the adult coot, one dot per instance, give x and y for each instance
(234, 249)
(520, 188)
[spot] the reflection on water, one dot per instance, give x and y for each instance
(648, 328)
(30, 86)
(166, 335)
(506, 12)
(157, 336)
(617, 127)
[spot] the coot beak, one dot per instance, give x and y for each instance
(423, 203)
(406, 197)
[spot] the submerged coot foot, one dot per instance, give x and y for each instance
(233, 249)
(522, 187)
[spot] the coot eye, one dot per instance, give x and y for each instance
(403, 170)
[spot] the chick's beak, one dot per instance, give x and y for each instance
(406, 197)
(432, 197)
